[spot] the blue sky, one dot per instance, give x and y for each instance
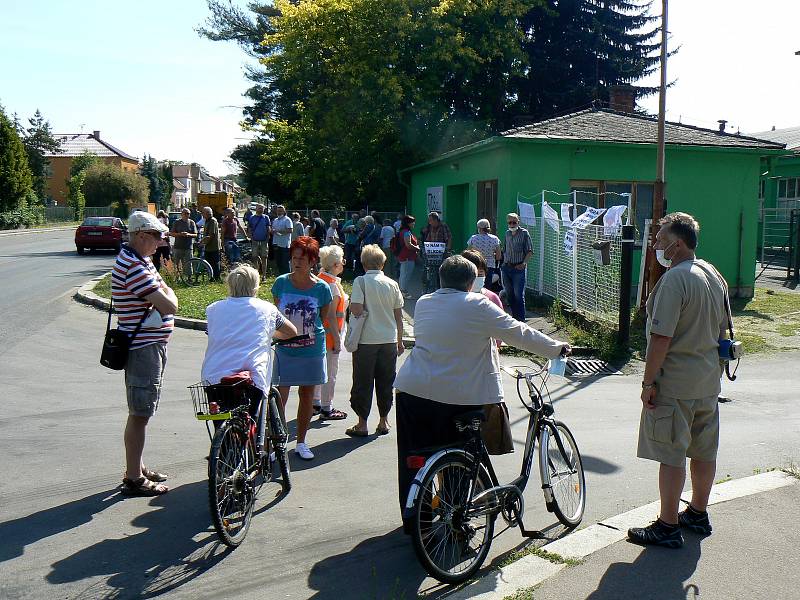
(135, 71)
(139, 73)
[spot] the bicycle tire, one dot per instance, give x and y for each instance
(563, 478)
(230, 492)
(279, 436)
(444, 470)
(201, 270)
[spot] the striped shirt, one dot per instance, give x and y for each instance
(517, 247)
(132, 279)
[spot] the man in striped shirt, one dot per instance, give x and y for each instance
(518, 251)
(141, 296)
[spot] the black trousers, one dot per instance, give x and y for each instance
(422, 423)
(282, 259)
(373, 369)
(212, 258)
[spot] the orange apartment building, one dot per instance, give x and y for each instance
(75, 144)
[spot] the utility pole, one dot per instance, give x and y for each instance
(654, 270)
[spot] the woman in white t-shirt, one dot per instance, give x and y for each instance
(240, 331)
(332, 235)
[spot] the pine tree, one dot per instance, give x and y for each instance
(39, 141)
(149, 171)
(577, 49)
(16, 182)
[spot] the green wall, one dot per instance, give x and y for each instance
(715, 185)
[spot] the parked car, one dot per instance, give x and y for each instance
(100, 232)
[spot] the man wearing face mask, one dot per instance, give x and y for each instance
(686, 317)
(518, 251)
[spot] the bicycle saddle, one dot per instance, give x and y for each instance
(467, 417)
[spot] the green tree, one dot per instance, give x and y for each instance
(108, 185)
(39, 141)
(150, 171)
(77, 176)
(16, 180)
(165, 175)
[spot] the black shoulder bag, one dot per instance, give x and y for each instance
(117, 343)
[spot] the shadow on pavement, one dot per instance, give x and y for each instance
(657, 573)
(380, 568)
(327, 452)
(598, 465)
(22, 532)
(175, 546)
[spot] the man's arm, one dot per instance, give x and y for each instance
(164, 300)
(398, 319)
(657, 350)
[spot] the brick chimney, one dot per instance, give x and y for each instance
(722, 124)
(96, 135)
(622, 98)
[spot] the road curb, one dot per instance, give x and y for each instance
(86, 295)
(8, 232)
(532, 570)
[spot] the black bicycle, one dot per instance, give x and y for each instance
(455, 497)
(251, 438)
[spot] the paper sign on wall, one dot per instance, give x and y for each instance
(435, 203)
(565, 215)
(526, 214)
(580, 223)
(550, 216)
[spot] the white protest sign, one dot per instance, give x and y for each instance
(435, 195)
(565, 215)
(580, 223)
(526, 213)
(550, 216)
(612, 220)
(435, 249)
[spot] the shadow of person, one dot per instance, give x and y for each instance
(381, 567)
(19, 533)
(596, 464)
(175, 546)
(656, 574)
(327, 452)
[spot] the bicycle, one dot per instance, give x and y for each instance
(199, 272)
(251, 438)
(455, 497)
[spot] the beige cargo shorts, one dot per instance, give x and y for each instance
(679, 429)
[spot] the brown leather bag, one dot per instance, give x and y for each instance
(496, 430)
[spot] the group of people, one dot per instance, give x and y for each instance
(457, 329)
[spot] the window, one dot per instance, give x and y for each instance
(642, 198)
(587, 193)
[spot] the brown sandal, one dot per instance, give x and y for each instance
(153, 475)
(142, 487)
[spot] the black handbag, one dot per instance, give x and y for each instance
(496, 430)
(117, 343)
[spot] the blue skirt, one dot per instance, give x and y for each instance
(299, 370)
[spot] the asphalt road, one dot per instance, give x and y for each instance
(66, 532)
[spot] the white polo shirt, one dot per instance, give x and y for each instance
(282, 240)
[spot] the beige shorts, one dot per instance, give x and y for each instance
(260, 248)
(676, 429)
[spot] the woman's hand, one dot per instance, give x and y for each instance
(400, 348)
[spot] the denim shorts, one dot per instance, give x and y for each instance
(143, 378)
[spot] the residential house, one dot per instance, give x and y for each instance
(710, 174)
(75, 144)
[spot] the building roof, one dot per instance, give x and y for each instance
(604, 125)
(180, 170)
(75, 144)
(179, 185)
(789, 136)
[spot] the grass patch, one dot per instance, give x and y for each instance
(584, 333)
(548, 556)
(788, 329)
(193, 299)
(765, 321)
(724, 479)
(793, 469)
(523, 594)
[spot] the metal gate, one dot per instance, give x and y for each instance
(779, 233)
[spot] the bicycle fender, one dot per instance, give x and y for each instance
(413, 490)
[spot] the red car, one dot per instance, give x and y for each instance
(100, 232)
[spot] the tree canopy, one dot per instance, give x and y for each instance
(105, 184)
(16, 180)
(38, 141)
(348, 91)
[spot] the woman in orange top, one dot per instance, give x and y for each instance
(331, 260)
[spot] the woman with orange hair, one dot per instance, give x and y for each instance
(305, 300)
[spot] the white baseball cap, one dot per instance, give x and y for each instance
(144, 221)
(484, 224)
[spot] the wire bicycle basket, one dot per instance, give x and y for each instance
(216, 402)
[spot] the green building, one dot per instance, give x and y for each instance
(601, 153)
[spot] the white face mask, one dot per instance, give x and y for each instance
(477, 285)
(513, 229)
(662, 260)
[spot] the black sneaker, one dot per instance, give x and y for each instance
(657, 533)
(694, 520)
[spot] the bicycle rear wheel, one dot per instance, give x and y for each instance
(231, 494)
(279, 436)
(563, 480)
(201, 271)
(449, 540)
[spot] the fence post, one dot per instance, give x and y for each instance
(796, 217)
(575, 253)
(625, 280)
(541, 247)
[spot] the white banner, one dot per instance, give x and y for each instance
(580, 223)
(565, 215)
(550, 216)
(435, 203)
(612, 220)
(526, 213)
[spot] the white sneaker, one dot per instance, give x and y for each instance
(272, 457)
(303, 451)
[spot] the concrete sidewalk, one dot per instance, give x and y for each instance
(751, 554)
(35, 230)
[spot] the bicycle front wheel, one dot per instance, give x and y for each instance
(451, 537)
(201, 271)
(231, 494)
(279, 436)
(561, 469)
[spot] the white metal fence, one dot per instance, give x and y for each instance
(581, 279)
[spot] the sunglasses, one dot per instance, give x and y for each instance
(512, 222)
(155, 234)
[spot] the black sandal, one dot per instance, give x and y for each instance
(142, 487)
(333, 414)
